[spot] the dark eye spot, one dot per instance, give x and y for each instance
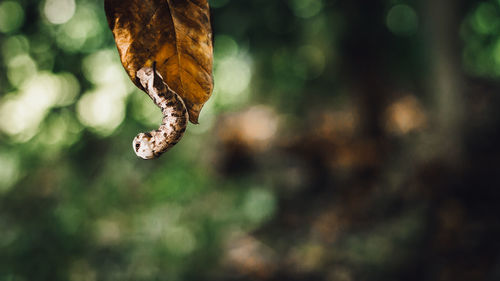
(137, 145)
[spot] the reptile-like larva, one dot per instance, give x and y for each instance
(153, 144)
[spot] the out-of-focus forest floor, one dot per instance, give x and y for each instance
(353, 207)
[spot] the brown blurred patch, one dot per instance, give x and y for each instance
(250, 257)
(254, 128)
(404, 115)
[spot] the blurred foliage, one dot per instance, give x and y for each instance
(315, 159)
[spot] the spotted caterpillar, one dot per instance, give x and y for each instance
(152, 144)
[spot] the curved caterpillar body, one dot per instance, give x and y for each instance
(152, 144)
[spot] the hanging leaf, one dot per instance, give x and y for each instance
(174, 34)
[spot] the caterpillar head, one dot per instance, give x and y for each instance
(143, 146)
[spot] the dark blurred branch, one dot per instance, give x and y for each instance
(442, 20)
(364, 58)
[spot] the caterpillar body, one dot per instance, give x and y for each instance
(175, 116)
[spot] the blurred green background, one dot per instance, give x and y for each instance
(345, 140)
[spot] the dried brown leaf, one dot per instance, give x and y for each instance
(176, 34)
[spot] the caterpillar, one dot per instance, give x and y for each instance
(152, 144)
